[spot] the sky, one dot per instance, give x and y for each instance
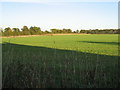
(59, 14)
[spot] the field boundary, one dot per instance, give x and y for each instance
(41, 35)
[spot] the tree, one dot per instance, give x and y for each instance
(82, 31)
(61, 31)
(35, 30)
(69, 31)
(16, 31)
(74, 31)
(1, 32)
(64, 31)
(47, 31)
(25, 30)
(8, 32)
(53, 31)
(96, 31)
(77, 31)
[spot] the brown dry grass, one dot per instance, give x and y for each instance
(43, 35)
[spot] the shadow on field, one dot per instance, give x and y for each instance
(112, 43)
(40, 67)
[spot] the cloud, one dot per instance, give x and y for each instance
(46, 1)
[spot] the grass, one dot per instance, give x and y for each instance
(74, 61)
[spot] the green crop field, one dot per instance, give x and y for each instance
(77, 61)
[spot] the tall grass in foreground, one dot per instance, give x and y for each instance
(39, 67)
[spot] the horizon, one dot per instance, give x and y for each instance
(57, 28)
(59, 15)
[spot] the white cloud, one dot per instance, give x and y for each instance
(46, 1)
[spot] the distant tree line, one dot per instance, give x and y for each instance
(24, 31)
(37, 31)
(61, 31)
(104, 31)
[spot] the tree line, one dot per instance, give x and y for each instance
(37, 31)
(104, 31)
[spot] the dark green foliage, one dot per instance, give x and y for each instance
(61, 31)
(97, 31)
(8, 31)
(16, 31)
(67, 30)
(47, 32)
(25, 30)
(37, 31)
(74, 31)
